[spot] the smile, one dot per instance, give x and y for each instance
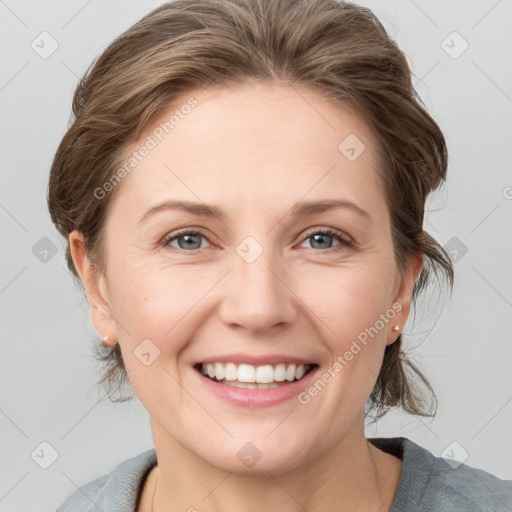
(254, 377)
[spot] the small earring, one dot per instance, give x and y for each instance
(396, 328)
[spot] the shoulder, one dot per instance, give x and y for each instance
(430, 483)
(116, 491)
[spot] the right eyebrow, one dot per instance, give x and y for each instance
(198, 209)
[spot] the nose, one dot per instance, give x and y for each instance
(257, 296)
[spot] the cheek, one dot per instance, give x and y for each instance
(160, 303)
(352, 300)
(155, 306)
(356, 311)
(152, 296)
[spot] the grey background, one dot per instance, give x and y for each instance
(47, 372)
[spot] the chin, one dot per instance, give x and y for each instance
(257, 457)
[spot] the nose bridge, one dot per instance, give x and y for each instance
(257, 299)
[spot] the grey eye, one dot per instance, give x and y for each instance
(189, 240)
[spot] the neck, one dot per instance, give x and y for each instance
(353, 475)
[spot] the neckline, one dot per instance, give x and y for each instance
(400, 447)
(142, 483)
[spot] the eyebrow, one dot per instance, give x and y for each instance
(304, 208)
(198, 209)
(300, 209)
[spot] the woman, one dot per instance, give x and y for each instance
(217, 148)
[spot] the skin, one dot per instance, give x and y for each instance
(254, 151)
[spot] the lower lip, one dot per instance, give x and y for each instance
(257, 397)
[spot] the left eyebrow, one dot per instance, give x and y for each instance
(304, 208)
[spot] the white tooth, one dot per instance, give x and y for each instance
(280, 373)
(264, 374)
(219, 371)
(299, 372)
(290, 372)
(230, 373)
(247, 373)
(243, 385)
(246, 385)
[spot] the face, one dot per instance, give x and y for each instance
(259, 272)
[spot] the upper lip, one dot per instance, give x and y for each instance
(255, 360)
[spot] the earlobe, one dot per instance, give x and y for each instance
(95, 288)
(404, 296)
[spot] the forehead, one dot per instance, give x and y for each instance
(252, 144)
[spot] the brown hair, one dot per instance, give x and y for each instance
(337, 48)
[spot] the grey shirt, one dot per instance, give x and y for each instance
(427, 483)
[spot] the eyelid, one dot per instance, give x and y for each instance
(331, 231)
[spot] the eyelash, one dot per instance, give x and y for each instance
(344, 244)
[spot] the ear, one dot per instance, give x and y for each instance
(403, 296)
(95, 288)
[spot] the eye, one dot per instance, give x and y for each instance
(187, 240)
(322, 238)
(190, 240)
